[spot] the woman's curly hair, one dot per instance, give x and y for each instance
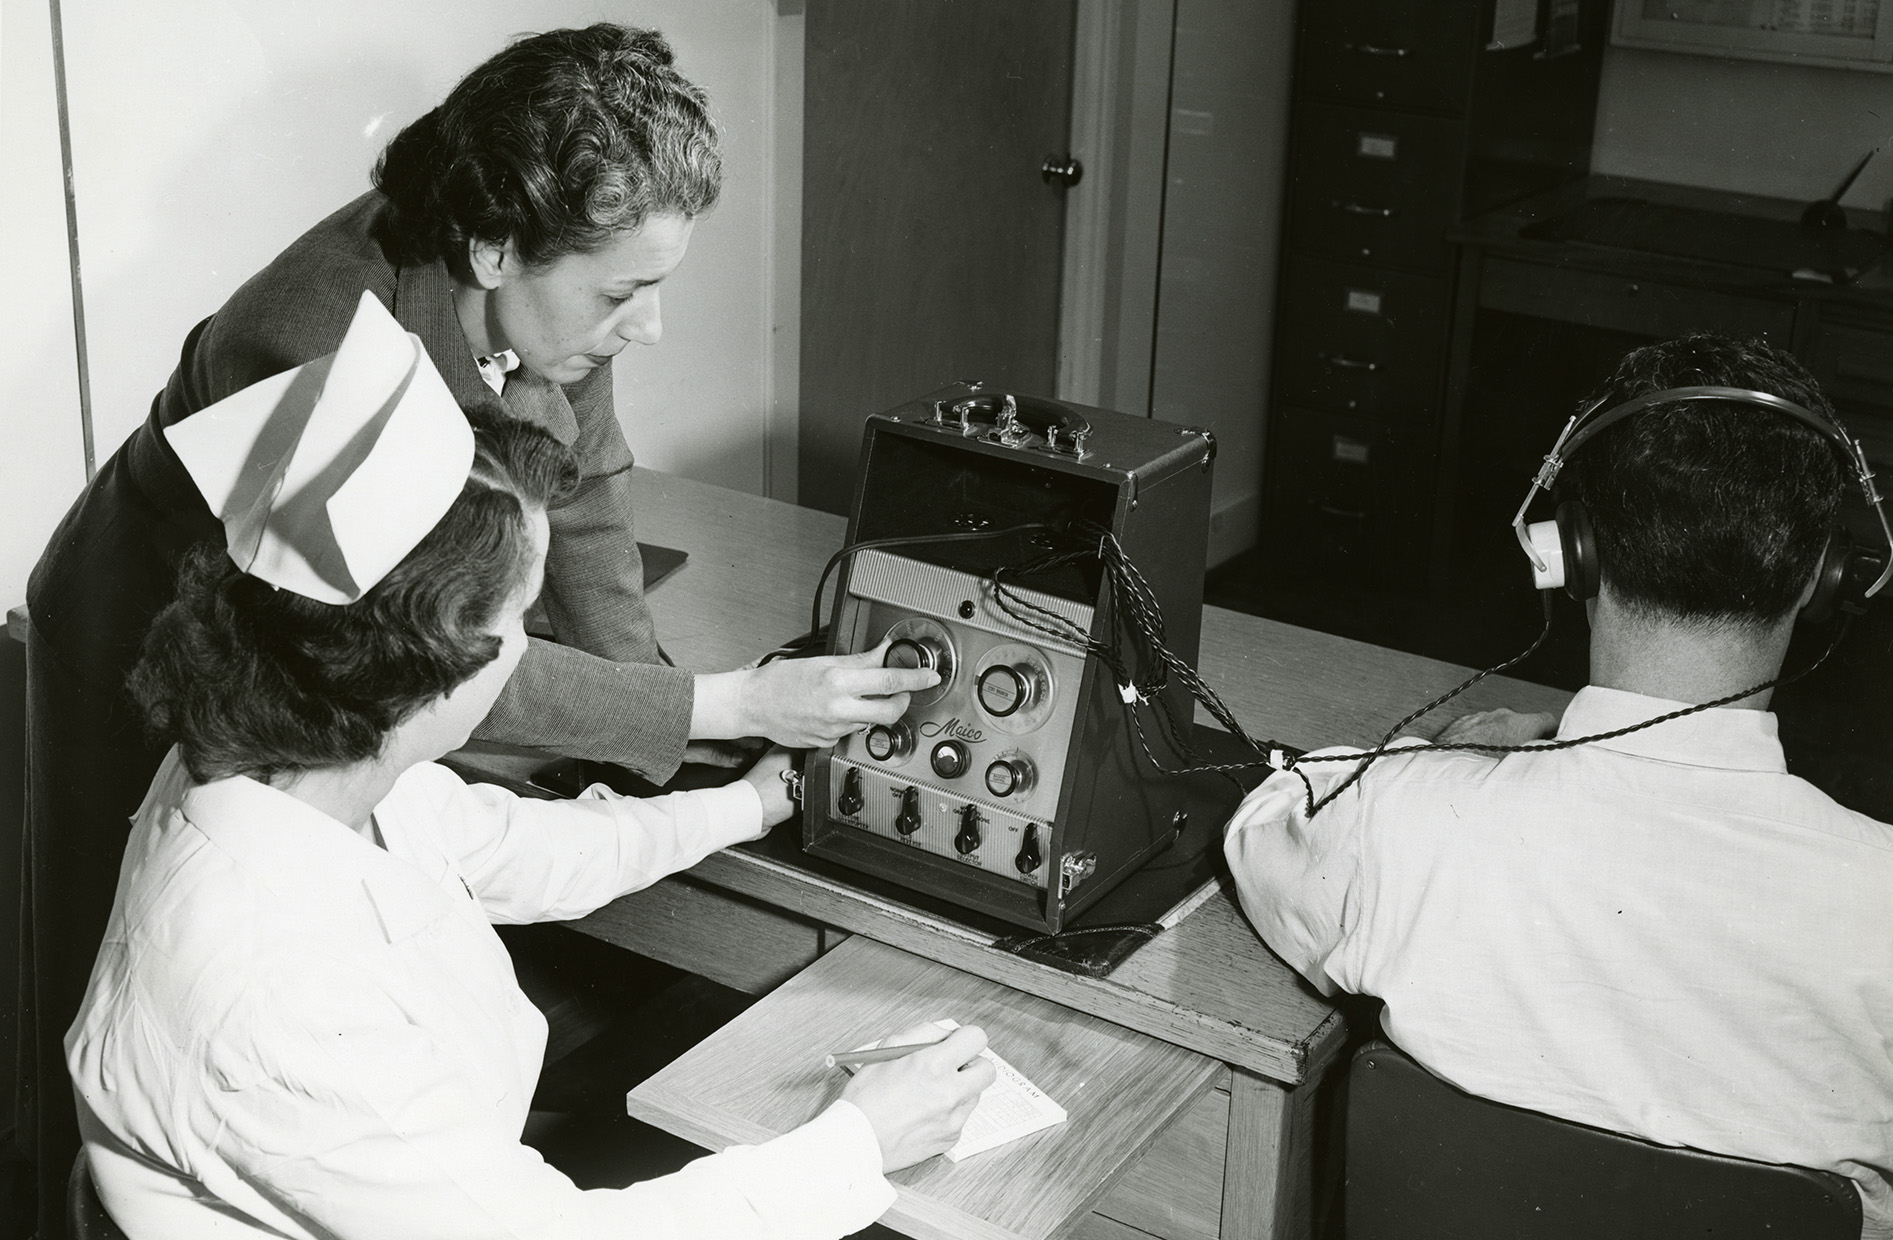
(250, 680)
(558, 143)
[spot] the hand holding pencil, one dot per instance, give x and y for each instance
(918, 1101)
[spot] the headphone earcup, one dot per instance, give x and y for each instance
(1831, 584)
(1582, 569)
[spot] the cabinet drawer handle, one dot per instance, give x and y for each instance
(1352, 514)
(1360, 208)
(1369, 49)
(1347, 363)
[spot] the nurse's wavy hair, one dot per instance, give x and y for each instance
(1711, 511)
(250, 680)
(558, 143)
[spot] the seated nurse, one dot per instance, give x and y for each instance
(301, 1022)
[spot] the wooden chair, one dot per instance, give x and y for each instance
(86, 1218)
(1425, 1160)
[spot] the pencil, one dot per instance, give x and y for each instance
(878, 1054)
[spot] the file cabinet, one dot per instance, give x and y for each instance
(1406, 119)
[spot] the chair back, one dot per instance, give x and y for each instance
(1426, 1160)
(86, 1218)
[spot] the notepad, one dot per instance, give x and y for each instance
(1012, 1107)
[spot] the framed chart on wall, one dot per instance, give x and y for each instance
(1855, 34)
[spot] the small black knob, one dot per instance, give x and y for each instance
(912, 652)
(950, 759)
(1028, 858)
(968, 838)
(1002, 690)
(889, 741)
(908, 820)
(850, 801)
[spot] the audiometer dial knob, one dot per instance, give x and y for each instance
(1009, 776)
(918, 652)
(950, 759)
(1003, 690)
(887, 741)
(922, 642)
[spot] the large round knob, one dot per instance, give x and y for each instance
(915, 652)
(1003, 690)
(950, 759)
(1008, 776)
(887, 741)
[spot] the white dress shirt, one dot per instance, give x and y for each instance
(292, 1032)
(1665, 934)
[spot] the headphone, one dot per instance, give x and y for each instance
(1563, 551)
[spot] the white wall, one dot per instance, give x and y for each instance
(1748, 126)
(41, 466)
(207, 134)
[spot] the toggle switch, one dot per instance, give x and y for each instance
(850, 801)
(908, 820)
(1028, 859)
(967, 840)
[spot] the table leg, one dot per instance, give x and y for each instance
(1268, 1177)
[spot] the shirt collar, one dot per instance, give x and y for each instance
(1724, 738)
(424, 304)
(494, 368)
(310, 859)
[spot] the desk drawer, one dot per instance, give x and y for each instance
(1378, 187)
(1361, 340)
(1643, 307)
(1350, 498)
(1387, 52)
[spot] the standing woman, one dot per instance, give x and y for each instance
(521, 230)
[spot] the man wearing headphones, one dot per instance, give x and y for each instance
(1656, 931)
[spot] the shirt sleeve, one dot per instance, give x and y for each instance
(1298, 878)
(530, 860)
(601, 691)
(351, 1121)
(568, 701)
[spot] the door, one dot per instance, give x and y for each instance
(930, 243)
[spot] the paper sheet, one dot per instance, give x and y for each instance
(1012, 1107)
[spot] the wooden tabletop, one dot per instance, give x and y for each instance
(1209, 984)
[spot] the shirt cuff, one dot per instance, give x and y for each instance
(734, 813)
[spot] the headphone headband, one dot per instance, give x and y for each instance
(1587, 423)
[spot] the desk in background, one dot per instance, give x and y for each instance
(1236, 1163)
(1538, 322)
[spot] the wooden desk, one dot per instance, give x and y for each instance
(1208, 985)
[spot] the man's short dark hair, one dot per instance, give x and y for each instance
(251, 680)
(1711, 511)
(558, 143)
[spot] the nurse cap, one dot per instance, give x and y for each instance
(327, 475)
